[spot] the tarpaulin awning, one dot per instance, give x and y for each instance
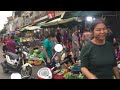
(59, 22)
(30, 28)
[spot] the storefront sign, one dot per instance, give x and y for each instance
(53, 14)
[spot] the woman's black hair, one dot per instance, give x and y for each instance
(95, 22)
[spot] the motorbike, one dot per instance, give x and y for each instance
(17, 62)
(49, 73)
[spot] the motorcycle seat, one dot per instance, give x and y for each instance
(13, 55)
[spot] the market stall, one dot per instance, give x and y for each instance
(30, 34)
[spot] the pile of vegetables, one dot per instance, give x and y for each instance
(25, 39)
(35, 57)
(70, 75)
(80, 76)
(63, 71)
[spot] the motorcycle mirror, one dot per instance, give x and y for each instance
(16, 76)
(58, 47)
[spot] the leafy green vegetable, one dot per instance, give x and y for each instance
(70, 75)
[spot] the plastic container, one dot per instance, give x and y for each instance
(75, 69)
(37, 63)
(57, 76)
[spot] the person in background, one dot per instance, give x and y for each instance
(58, 36)
(11, 45)
(54, 40)
(87, 36)
(79, 36)
(75, 45)
(110, 36)
(97, 56)
(9, 36)
(42, 37)
(65, 38)
(69, 44)
(68, 55)
(4, 48)
(82, 41)
(117, 50)
(17, 38)
(47, 53)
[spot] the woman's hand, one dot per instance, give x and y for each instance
(87, 73)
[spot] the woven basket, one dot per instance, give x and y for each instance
(37, 63)
(31, 62)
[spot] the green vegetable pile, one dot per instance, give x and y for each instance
(35, 54)
(63, 71)
(70, 75)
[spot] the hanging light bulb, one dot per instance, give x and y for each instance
(38, 30)
(89, 18)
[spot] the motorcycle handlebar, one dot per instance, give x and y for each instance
(59, 64)
(66, 60)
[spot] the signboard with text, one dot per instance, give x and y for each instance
(53, 14)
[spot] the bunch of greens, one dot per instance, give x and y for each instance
(70, 75)
(35, 54)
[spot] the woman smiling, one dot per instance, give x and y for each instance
(97, 56)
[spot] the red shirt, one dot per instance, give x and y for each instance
(5, 41)
(11, 46)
